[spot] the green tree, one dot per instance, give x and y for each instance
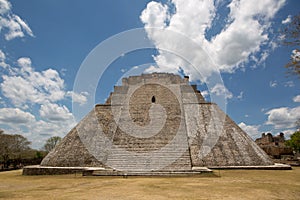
(51, 143)
(294, 142)
(12, 147)
(291, 34)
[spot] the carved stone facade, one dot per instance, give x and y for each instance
(274, 145)
(156, 122)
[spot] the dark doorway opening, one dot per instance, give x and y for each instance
(153, 99)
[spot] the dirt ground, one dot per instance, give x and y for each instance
(226, 184)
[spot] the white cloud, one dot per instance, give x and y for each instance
(29, 86)
(205, 93)
(23, 25)
(2, 55)
(287, 20)
(25, 64)
(2, 59)
(58, 122)
(15, 116)
(241, 95)
(38, 131)
(54, 112)
(251, 130)
(283, 118)
(221, 90)
(155, 15)
(29, 89)
(263, 110)
(78, 98)
(288, 133)
(295, 55)
(63, 71)
(273, 84)
(5, 6)
(297, 99)
(12, 24)
(234, 45)
(52, 128)
(289, 84)
(18, 90)
(191, 19)
(42, 130)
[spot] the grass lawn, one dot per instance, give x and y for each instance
(231, 184)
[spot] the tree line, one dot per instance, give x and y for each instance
(15, 151)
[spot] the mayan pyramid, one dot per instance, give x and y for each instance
(156, 122)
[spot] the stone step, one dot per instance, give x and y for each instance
(107, 172)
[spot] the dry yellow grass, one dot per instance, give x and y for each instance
(232, 184)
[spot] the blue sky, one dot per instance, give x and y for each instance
(43, 44)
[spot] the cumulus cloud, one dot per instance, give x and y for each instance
(190, 20)
(155, 15)
(237, 41)
(35, 130)
(232, 46)
(2, 55)
(289, 84)
(205, 93)
(283, 118)
(50, 128)
(251, 130)
(2, 59)
(287, 20)
(55, 121)
(25, 64)
(5, 7)
(241, 95)
(78, 98)
(221, 90)
(273, 84)
(15, 116)
(30, 90)
(297, 99)
(29, 86)
(43, 129)
(27, 90)
(12, 25)
(55, 112)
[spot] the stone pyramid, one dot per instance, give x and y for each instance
(156, 122)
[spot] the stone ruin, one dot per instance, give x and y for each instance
(153, 123)
(274, 146)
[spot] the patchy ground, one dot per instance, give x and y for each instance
(231, 184)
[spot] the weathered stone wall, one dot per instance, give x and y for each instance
(156, 122)
(38, 170)
(274, 145)
(268, 139)
(229, 145)
(70, 152)
(150, 124)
